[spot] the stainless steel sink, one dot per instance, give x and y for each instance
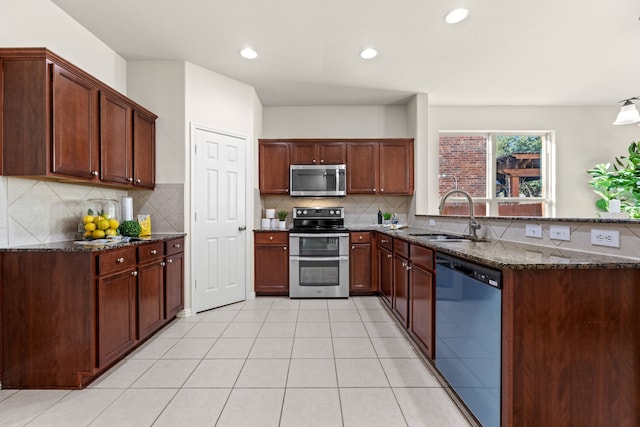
(440, 237)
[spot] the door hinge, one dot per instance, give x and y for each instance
(195, 148)
(195, 216)
(195, 284)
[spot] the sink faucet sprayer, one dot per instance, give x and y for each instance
(473, 224)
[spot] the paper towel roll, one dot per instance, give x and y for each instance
(127, 209)
(270, 213)
(266, 223)
(614, 205)
(274, 223)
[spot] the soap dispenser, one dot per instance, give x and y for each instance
(379, 216)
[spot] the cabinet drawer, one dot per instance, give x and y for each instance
(116, 260)
(422, 257)
(360, 237)
(150, 251)
(385, 241)
(401, 248)
(272, 238)
(174, 246)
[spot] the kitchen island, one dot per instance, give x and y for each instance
(71, 311)
(570, 341)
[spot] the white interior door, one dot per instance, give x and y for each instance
(217, 233)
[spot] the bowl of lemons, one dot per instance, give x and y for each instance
(100, 219)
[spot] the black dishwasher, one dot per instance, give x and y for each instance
(468, 333)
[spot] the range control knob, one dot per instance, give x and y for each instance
(299, 211)
(330, 212)
(304, 212)
(337, 211)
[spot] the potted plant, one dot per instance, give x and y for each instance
(282, 217)
(620, 180)
(386, 217)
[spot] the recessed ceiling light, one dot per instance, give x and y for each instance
(249, 53)
(456, 16)
(368, 53)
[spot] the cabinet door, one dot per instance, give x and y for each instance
(150, 298)
(396, 168)
(360, 267)
(421, 308)
(272, 269)
(116, 162)
(401, 289)
(304, 153)
(385, 261)
(116, 315)
(173, 285)
(144, 150)
(332, 153)
(75, 141)
(274, 168)
(362, 165)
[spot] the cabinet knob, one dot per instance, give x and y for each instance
(120, 260)
(153, 251)
(284, 248)
(286, 190)
(360, 237)
(383, 241)
(353, 248)
(134, 273)
(177, 245)
(314, 160)
(404, 264)
(374, 190)
(169, 261)
(138, 181)
(130, 179)
(94, 173)
(270, 237)
(388, 255)
(163, 264)
(382, 189)
(408, 267)
(322, 161)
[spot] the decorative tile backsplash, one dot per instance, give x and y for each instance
(41, 211)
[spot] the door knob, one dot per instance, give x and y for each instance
(242, 228)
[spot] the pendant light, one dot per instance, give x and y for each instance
(628, 113)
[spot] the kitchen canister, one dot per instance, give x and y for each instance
(270, 213)
(127, 208)
(266, 223)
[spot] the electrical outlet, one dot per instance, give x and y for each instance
(609, 238)
(533, 230)
(560, 232)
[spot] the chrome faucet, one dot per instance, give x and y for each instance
(473, 224)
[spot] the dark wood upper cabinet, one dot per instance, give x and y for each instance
(380, 167)
(318, 153)
(58, 121)
(362, 162)
(274, 167)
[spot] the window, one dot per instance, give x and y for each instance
(506, 173)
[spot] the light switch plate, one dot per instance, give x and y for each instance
(533, 230)
(560, 232)
(609, 238)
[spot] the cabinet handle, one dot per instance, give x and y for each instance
(177, 245)
(408, 267)
(120, 260)
(130, 179)
(138, 181)
(169, 261)
(94, 173)
(134, 273)
(404, 264)
(153, 251)
(383, 241)
(388, 255)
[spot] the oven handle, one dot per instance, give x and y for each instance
(319, 234)
(313, 258)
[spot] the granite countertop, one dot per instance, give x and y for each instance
(72, 246)
(511, 255)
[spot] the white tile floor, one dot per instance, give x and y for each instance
(265, 362)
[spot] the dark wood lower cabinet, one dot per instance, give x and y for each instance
(271, 254)
(361, 277)
(68, 315)
(385, 265)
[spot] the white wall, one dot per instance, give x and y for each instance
(40, 23)
(584, 137)
(336, 122)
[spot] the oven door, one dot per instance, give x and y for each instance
(319, 277)
(321, 245)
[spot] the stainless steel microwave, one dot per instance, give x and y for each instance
(318, 180)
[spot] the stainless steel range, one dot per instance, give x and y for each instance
(319, 254)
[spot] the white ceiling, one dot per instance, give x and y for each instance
(507, 52)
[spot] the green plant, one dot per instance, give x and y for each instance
(282, 215)
(130, 228)
(387, 215)
(620, 180)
